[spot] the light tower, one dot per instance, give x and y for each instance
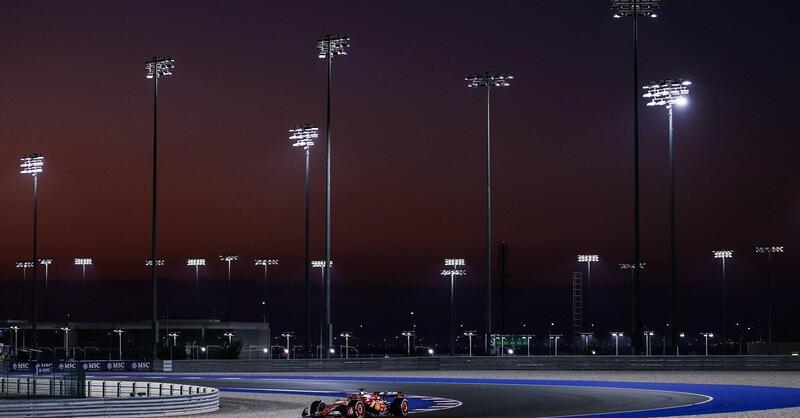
(46, 262)
(33, 164)
(668, 93)
(636, 9)
(155, 68)
(196, 263)
(588, 259)
(83, 262)
(265, 262)
(488, 81)
(320, 264)
(328, 46)
(453, 267)
(769, 250)
(229, 258)
(723, 255)
(303, 137)
(24, 265)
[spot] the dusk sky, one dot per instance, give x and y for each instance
(408, 153)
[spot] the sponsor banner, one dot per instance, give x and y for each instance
(89, 366)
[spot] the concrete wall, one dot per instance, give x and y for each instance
(498, 363)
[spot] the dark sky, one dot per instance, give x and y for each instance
(408, 157)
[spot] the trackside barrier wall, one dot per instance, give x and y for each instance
(497, 363)
(110, 398)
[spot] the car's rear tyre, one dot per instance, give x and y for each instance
(359, 409)
(316, 406)
(399, 407)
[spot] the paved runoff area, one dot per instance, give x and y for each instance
(516, 393)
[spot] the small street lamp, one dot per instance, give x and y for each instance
(616, 335)
(174, 336)
(408, 335)
(346, 336)
(555, 339)
(469, 335)
(707, 335)
(230, 337)
(119, 334)
(288, 335)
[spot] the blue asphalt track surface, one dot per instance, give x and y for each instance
(724, 398)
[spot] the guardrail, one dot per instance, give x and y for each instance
(497, 363)
(109, 398)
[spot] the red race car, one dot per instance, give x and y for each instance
(362, 404)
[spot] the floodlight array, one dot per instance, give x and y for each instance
(196, 262)
(319, 263)
(45, 261)
(159, 66)
(331, 45)
(82, 261)
(304, 135)
(454, 272)
(627, 8)
(770, 249)
(588, 258)
(667, 92)
(24, 264)
(454, 262)
(489, 80)
(723, 254)
(31, 164)
(266, 262)
(159, 262)
(631, 266)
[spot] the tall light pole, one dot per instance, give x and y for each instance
(616, 335)
(346, 336)
(648, 337)
(408, 335)
(328, 46)
(155, 68)
(83, 262)
(174, 336)
(555, 338)
(707, 335)
(24, 265)
(230, 337)
(769, 250)
(16, 345)
(303, 137)
(265, 262)
(678, 345)
(723, 255)
(586, 336)
(488, 81)
(229, 258)
(668, 93)
(453, 267)
(288, 335)
(196, 263)
(588, 259)
(320, 264)
(46, 262)
(66, 342)
(33, 164)
(635, 9)
(469, 335)
(119, 334)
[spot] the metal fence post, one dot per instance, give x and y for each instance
(119, 384)
(148, 389)
(160, 386)
(103, 395)
(170, 390)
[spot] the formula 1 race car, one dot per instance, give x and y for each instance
(362, 404)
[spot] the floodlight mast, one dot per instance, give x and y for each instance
(452, 270)
(328, 46)
(769, 250)
(636, 9)
(229, 258)
(304, 136)
(33, 164)
(265, 262)
(588, 259)
(667, 93)
(488, 81)
(83, 262)
(24, 265)
(46, 262)
(155, 68)
(723, 255)
(196, 263)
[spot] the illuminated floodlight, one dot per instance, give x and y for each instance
(266, 262)
(627, 8)
(159, 66)
(45, 261)
(83, 261)
(489, 80)
(330, 45)
(24, 264)
(631, 266)
(454, 272)
(304, 135)
(617, 334)
(667, 92)
(769, 249)
(707, 334)
(196, 262)
(319, 263)
(229, 257)
(723, 254)
(454, 262)
(31, 164)
(588, 258)
(159, 262)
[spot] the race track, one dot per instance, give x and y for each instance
(459, 397)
